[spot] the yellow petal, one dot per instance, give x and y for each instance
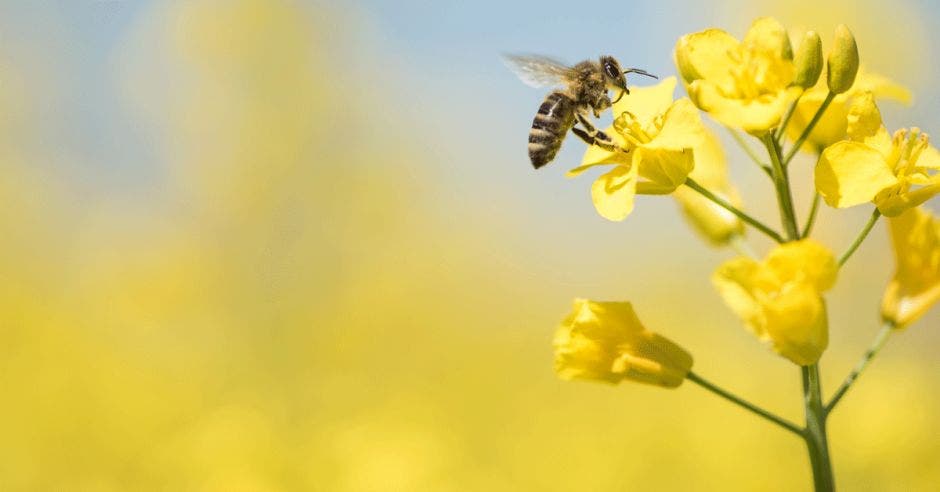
(891, 203)
(864, 118)
(682, 127)
(739, 282)
(666, 169)
(915, 287)
(779, 299)
(755, 116)
(797, 325)
(929, 158)
(804, 261)
(881, 86)
(864, 124)
(902, 307)
(711, 165)
(707, 55)
(613, 193)
(605, 341)
(647, 103)
(851, 173)
(768, 36)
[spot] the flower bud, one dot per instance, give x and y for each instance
(809, 61)
(605, 341)
(843, 61)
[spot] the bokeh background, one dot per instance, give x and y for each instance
(261, 245)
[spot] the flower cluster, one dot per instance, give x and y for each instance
(823, 104)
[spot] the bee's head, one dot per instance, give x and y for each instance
(613, 74)
(616, 77)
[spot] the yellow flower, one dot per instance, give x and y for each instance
(716, 224)
(742, 84)
(780, 299)
(895, 173)
(833, 124)
(915, 235)
(658, 134)
(605, 341)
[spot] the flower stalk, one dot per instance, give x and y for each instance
(786, 424)
(782, 185)
(691, 183)
(880, 340)
(809, 128)
(750, 152)
(875, 215)
(811, 219)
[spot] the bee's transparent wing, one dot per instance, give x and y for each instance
(537, 71)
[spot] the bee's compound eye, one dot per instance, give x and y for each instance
(611, 71)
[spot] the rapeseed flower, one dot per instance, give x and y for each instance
(605, 341)
(896, 173)
(780, 298)
(657, 135)
(742, 84)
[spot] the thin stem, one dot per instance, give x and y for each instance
(817, 442)
(813, 210)
(880, 339)
(740, 245)
(861, 237)
(809, 128)
(695, 378)
(782, 184)
(749, 151)
(691, 183)
(786, 120)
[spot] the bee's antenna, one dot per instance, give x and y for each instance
(639, 71)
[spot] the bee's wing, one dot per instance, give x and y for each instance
(538, 71)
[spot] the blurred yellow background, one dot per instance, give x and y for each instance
(261, 245)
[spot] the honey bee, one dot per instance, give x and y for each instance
(585, 89)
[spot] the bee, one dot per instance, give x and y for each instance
(585, 89)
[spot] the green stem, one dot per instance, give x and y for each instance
(749, 151)
(813, 210)
(815, 434)
(782, 184)
(695, 378)
(740, 245)
(809, 128)
(861, 237)
(691, 183)
(870, 354)
(786, 120)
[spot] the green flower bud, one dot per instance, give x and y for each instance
(843, 61)
(809, 61)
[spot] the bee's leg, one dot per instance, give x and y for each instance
(583, 135)
(593, 136)
(602, 104)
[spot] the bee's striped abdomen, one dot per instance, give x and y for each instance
(551, 123)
